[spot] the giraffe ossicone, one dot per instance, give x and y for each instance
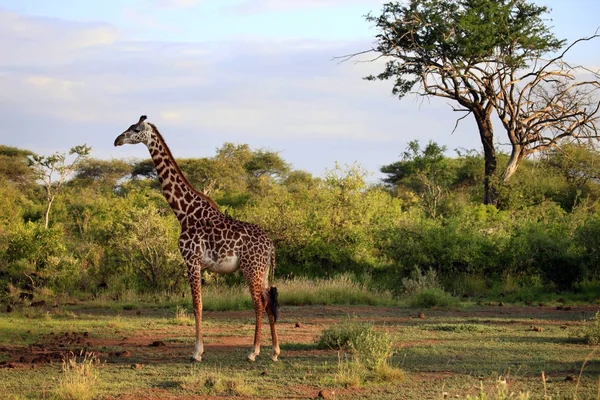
(210, 239)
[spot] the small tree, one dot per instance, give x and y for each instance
(54, 170)
(487, 55)
(148, 246)
(425, 171)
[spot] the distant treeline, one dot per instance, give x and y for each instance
(109, 227)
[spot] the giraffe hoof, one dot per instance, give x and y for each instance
(251, 357)
(274, 358)
(196, 359)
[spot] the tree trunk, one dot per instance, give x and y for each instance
(47, 214)
(486, 132)
(513, 162)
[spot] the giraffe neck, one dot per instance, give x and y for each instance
(178, 191)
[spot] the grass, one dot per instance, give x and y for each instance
(340, 290)
(217, 382)
(365, 353)
(591, 331)
(79, 377)
(429, 298)
(465, 352)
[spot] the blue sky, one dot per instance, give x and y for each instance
(206, 72)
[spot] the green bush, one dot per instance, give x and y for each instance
(430, 298)
(340, 336)
(591, 332)
(370, 348)
(419, 281)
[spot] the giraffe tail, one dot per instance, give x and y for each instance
(273, 301)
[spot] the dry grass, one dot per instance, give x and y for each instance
(216, 383)
(79, 378)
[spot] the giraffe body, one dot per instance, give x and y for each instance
(211, 240)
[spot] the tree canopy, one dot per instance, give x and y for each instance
(488, 56)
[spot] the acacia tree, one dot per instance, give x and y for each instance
(54, 170)
(486, 55)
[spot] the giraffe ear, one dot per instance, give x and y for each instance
(142, 119)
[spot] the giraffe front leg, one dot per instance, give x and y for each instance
(195, 283)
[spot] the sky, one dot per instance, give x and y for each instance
(205, 72)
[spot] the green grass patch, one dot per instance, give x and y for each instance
(201, 381)
(430, 298)
(460, 328)
(590, 333)
(364, 353)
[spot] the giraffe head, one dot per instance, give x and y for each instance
(136, 133)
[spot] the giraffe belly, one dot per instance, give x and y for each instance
(225, 265)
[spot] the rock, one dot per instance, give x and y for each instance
(422, 315)
(537, 328)
(137, 366)
(326, 394)
(298, 325)
(9, 308)
(501, 304)
(157, 343)
(569, 378)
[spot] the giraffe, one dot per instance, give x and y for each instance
(210, 239)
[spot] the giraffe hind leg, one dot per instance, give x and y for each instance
(195, 283)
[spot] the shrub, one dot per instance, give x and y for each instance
(591, 332)
(370, 353)
(433, 298)
(340, 336)
(371, 349)
(418, 282)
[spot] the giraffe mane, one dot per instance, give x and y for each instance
(180, 172)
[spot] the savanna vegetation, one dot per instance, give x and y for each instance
(423, 228)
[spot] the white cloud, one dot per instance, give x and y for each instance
(43, 41)
(256, 6)
(177, 3)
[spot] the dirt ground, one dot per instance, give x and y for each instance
(298, 325)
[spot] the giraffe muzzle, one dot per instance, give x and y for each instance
(119, 140)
